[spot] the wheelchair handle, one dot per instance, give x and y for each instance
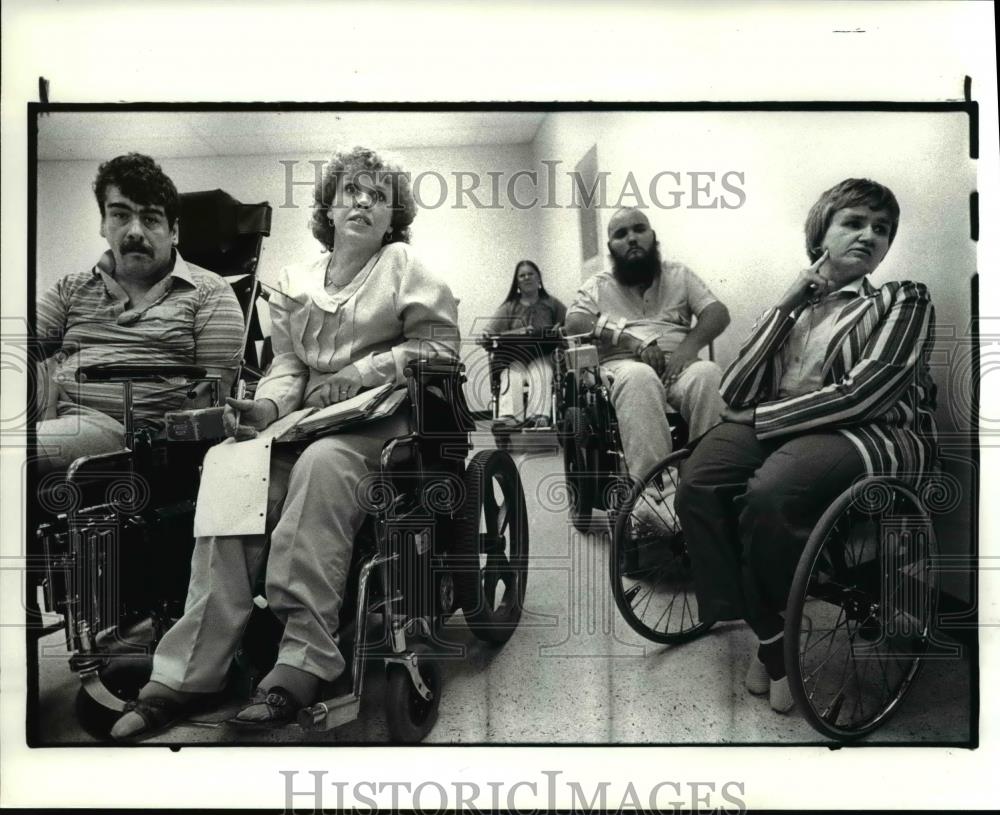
(111, 373)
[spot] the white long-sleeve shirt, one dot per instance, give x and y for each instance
(393, 311)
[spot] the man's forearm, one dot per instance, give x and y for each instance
(712, 321)
(609, 332)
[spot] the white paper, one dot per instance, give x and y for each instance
(232, 499)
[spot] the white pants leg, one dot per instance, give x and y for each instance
(640, 403)
(696, 395)
(307, 567)
(538, 375)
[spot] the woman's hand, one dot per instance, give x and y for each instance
(741, 416)
(808, 284)
(242, 418)
(340, 386)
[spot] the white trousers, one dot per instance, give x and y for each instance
(537, 374)
(640, 402)
(316, 513)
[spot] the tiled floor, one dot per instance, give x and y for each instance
(573, 672)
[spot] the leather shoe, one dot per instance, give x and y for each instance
(146, 717)
(269, 708)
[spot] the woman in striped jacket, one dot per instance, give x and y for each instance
(831, 385)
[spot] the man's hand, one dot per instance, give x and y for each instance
(682, 356)
(339, 386)
(242, 418)
(809, 283)
(653, 357)
(739, 416)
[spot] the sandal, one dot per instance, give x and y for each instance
(268, 708)
(154, 714)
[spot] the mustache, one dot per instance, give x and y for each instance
(136, 246)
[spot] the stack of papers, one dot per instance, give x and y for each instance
(365, 407)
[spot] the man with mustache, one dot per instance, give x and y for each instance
(641, 314)
(140, 304)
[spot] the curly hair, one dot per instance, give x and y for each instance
(514, 292)
(139, 178)
(850, 192)
(365, 161)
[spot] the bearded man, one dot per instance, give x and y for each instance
(651, 318)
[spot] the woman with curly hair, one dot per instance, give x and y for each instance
(349, 320)
(831, 385)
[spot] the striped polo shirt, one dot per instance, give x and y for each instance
(191, 317)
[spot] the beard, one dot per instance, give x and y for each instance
(637, 271)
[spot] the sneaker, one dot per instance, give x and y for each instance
(780, 695)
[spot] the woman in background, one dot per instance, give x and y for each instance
(527, 306)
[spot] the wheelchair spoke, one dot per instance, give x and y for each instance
(872, 566)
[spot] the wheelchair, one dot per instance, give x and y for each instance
(442, 535)
(78, 559)
(518, 345)
(114, 539)
(597, 477)
(858, 621)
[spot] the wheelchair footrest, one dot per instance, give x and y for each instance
(331, 713)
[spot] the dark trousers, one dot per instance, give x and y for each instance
(747, 508)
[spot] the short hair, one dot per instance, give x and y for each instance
(363, 160)
(513, 293)
(139, 178)
(850, 192)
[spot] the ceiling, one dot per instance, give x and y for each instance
(64, 136)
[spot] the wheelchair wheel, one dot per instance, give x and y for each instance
(123, 678)
(411, 717)
(860, 609)
(579, 478)
(651, 575)
(491, 547)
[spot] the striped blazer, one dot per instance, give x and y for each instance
(877, 389)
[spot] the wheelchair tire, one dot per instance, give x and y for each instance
(651, 576)
(861, 608)
(123, 678)
(580, 482)
(409, 716)
(491, 547)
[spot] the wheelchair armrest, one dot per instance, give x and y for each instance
(111, 373)
(420, 368)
